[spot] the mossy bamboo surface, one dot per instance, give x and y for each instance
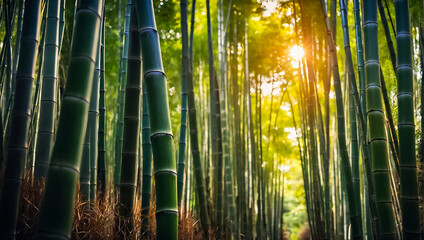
(21, 116)
(57, 210)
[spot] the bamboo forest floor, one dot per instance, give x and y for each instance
(98, 222)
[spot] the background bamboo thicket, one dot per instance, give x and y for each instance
(224, 119)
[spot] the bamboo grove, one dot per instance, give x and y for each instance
(225, 119)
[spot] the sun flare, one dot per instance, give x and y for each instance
(297, 53)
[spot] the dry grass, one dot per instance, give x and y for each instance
(98, 221)
(95, 221)
(305, 234)
(31, 198)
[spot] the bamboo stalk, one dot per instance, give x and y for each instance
(46, 127)
(130, 144)
(406, 124)
(21, 116)
(57, 210)
(161, 133)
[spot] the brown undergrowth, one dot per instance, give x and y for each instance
(99, 220)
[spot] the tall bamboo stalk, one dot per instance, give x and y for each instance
(85, 170)
(46, 126)
(61, 23)
(394, 145)
(17, 47)
(130, 144)
(406, 124)
(212, 112)
(183, 126)
(161, 132)
(194, 142)
(354, 143)
(57, 210)
(102, 117)
(311, 106)
(121, 97)
(93, 126)
(377, 131)
(147, 165)
(21, 116)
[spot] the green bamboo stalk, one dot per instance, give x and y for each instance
(183, 126)
(392, 131)
(227, 173)
(361, 73)
(102, 117)
(56, 215)
(311, 105)
(360, 115)
(250, 128)
(127, 187)
(6, 88)
(360, 55)
(17, 45)
(387, 34)
(33, 125)
(375, 117)
(194, 144)
(354, 140)
(21, 115)
(121, 97)
(61, 24)
(161, 132)
(93, 126)
(85, 170)
(115, 175)
(212, 112)
(220, 186)
(354, 150)
(390, 17)
(215, 129)
(406, 124)
(147, 165)
(8, 17)
(46, 125)
(392, 138)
